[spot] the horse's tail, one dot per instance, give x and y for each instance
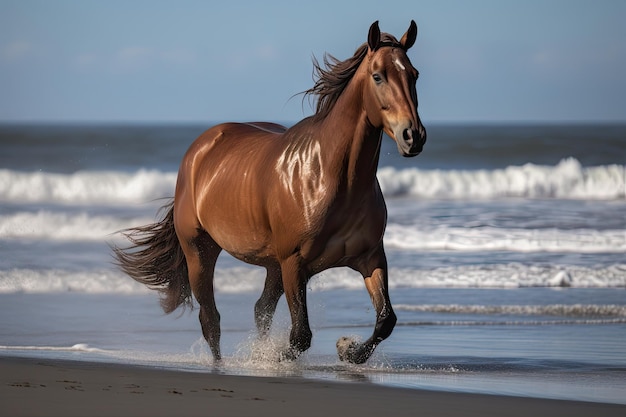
(156, 259)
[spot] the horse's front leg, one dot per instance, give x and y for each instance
(374, 272)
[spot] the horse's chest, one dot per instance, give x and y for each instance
(350, 235)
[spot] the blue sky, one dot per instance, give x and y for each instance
(201, 61)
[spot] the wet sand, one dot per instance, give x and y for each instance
(45, 387)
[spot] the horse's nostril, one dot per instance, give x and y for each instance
(407, 135)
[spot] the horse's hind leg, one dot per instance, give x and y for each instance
(266, 305)
(374, 272)
(294, 282)
(201, 257)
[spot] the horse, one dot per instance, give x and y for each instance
(296, 201)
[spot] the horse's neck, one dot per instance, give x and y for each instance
(352, 144)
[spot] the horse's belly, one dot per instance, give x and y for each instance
(243, 243)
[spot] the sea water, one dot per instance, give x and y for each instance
(506, 247)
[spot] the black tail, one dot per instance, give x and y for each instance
(156, 259)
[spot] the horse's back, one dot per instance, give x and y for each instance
(230, 140)
(268, 127)
(233, 133)
(229, 150)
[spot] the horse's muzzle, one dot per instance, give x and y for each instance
(411, 141)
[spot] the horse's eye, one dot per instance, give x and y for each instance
(377, 78)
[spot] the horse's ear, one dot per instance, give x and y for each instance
(373, 38)
(408, 39)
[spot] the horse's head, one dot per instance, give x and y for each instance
(389, 92)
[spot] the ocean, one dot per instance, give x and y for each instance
(506, 246)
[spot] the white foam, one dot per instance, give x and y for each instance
(58, 281)
(250, 280)
(86, 187)
(483, 276)
(566, 180)
(47, 225)
(504, 239)
(511, 275)
(54, 226)
(102, 281)
(566, 310)
(79, 347)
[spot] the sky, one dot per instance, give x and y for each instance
(205, 61)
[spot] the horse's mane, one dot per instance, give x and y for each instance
(334, 76)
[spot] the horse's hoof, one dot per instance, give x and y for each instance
(344, 345)
(349, 350)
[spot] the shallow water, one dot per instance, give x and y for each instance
(531, 354)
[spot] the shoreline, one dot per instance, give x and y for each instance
(44, 387)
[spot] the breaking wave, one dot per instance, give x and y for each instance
(566, 180)
(246, 279)
(46, 225)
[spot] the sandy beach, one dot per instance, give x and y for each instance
(44, 387)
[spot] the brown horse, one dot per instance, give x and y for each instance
(296, 201)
